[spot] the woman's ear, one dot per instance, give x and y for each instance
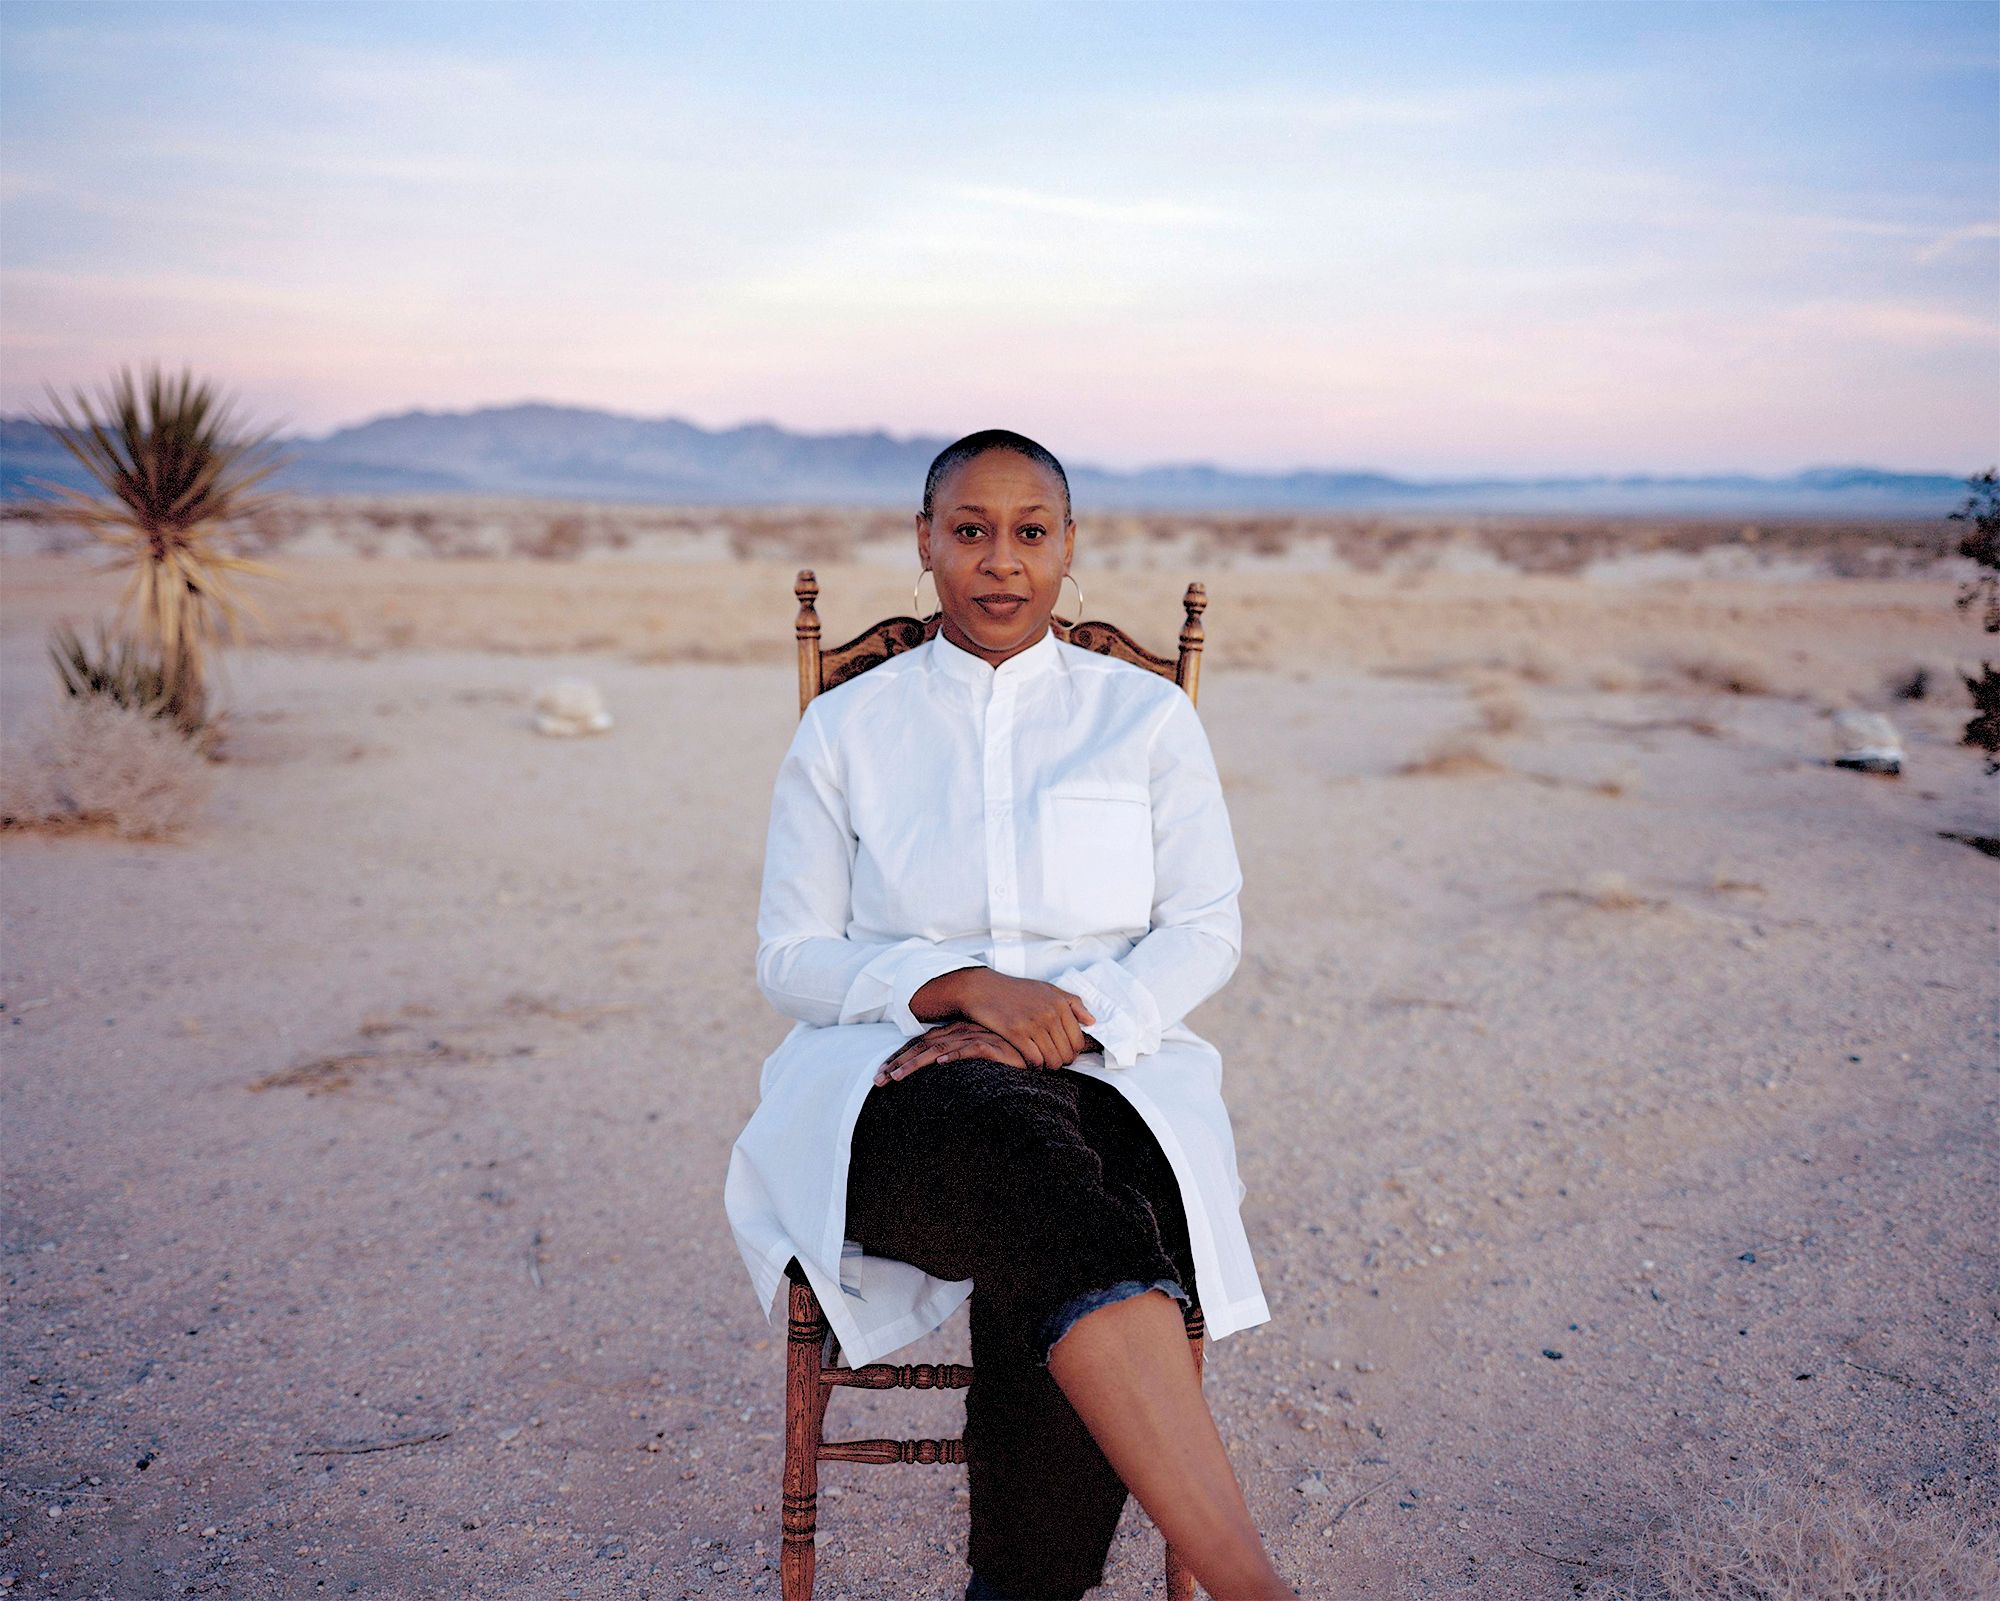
(1069, 541)
(923, 539)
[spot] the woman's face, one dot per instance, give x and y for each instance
(998, 541)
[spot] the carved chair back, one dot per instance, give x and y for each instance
(822, 667)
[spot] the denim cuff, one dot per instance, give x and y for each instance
(1058, 1322)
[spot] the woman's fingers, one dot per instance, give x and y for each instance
(942, 1044)
(911, 1057)
(1072, 1035)
(1079, 1011)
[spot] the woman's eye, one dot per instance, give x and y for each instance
(969, 528)
(1033, 528)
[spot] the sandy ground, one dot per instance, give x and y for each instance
(1626, 1102)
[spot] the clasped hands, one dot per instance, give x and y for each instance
(1022, 1022)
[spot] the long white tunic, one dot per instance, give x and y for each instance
(1058, 817)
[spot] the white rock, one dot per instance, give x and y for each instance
(570, 706)
(1866, 740)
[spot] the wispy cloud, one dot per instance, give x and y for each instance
(1111, 212)
(1946, 243)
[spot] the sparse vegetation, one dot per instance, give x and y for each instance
(127, 672)
(1730, 672)
(175, 472)
(1982, 544)
(1819, 1541)
(100, 763)
(1455, 755)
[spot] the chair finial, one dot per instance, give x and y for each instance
(1188, 675)
(807, 589)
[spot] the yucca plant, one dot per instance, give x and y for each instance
(177, 471)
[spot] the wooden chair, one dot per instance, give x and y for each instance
(811, 1375)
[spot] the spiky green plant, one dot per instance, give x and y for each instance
(117, 666)
(177, 470)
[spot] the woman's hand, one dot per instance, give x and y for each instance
(948, 1042)
(1041, 1021)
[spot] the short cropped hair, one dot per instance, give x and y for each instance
(963, 450)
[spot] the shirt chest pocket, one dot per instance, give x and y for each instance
(1097, 857)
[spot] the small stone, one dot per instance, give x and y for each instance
(1553, 1356)
(570, 706)
(209, 1532)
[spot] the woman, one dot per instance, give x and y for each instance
(999, 873)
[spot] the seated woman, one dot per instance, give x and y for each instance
(999, 873)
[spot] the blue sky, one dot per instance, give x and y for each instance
(1417, 237)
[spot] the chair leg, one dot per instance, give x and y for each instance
(805, 1414)
(1180, 1582)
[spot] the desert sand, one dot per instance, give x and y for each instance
(1614, 1082)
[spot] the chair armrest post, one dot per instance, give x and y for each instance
(1188, 673)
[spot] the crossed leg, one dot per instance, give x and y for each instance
(1053, 1190)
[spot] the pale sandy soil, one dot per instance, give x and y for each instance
(394, 1099)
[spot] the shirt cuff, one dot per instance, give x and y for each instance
(882, 991)
(1128, 1018)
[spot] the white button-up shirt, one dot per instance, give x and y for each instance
(1058, 817)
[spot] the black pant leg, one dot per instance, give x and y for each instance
(1135, 1165)
(979, 1170)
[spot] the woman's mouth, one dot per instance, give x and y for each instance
(1000, 605)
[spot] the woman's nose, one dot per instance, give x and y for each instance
(1001, 558)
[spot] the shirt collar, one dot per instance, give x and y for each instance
(1040, 657)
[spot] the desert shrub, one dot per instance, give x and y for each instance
(1500, 707)
(1909, 683)
(1460, 754)
(127, 671)
(1726, 671)
(1983, 731)
(560, 539)
(101, 763)
(1982, 544)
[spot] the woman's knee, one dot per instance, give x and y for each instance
(989, 1111)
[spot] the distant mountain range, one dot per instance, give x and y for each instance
(574, 453)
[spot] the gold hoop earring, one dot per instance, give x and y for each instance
(1069, 578)
(919, 584)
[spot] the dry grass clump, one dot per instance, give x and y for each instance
(1822, 1541)
(1535, 663)
(1617, 678)
(100, 764)
(1613, 891)
(1624, 779)
(1730, 672)
(1608, 890)
(1500, 708)
(1455, 755)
